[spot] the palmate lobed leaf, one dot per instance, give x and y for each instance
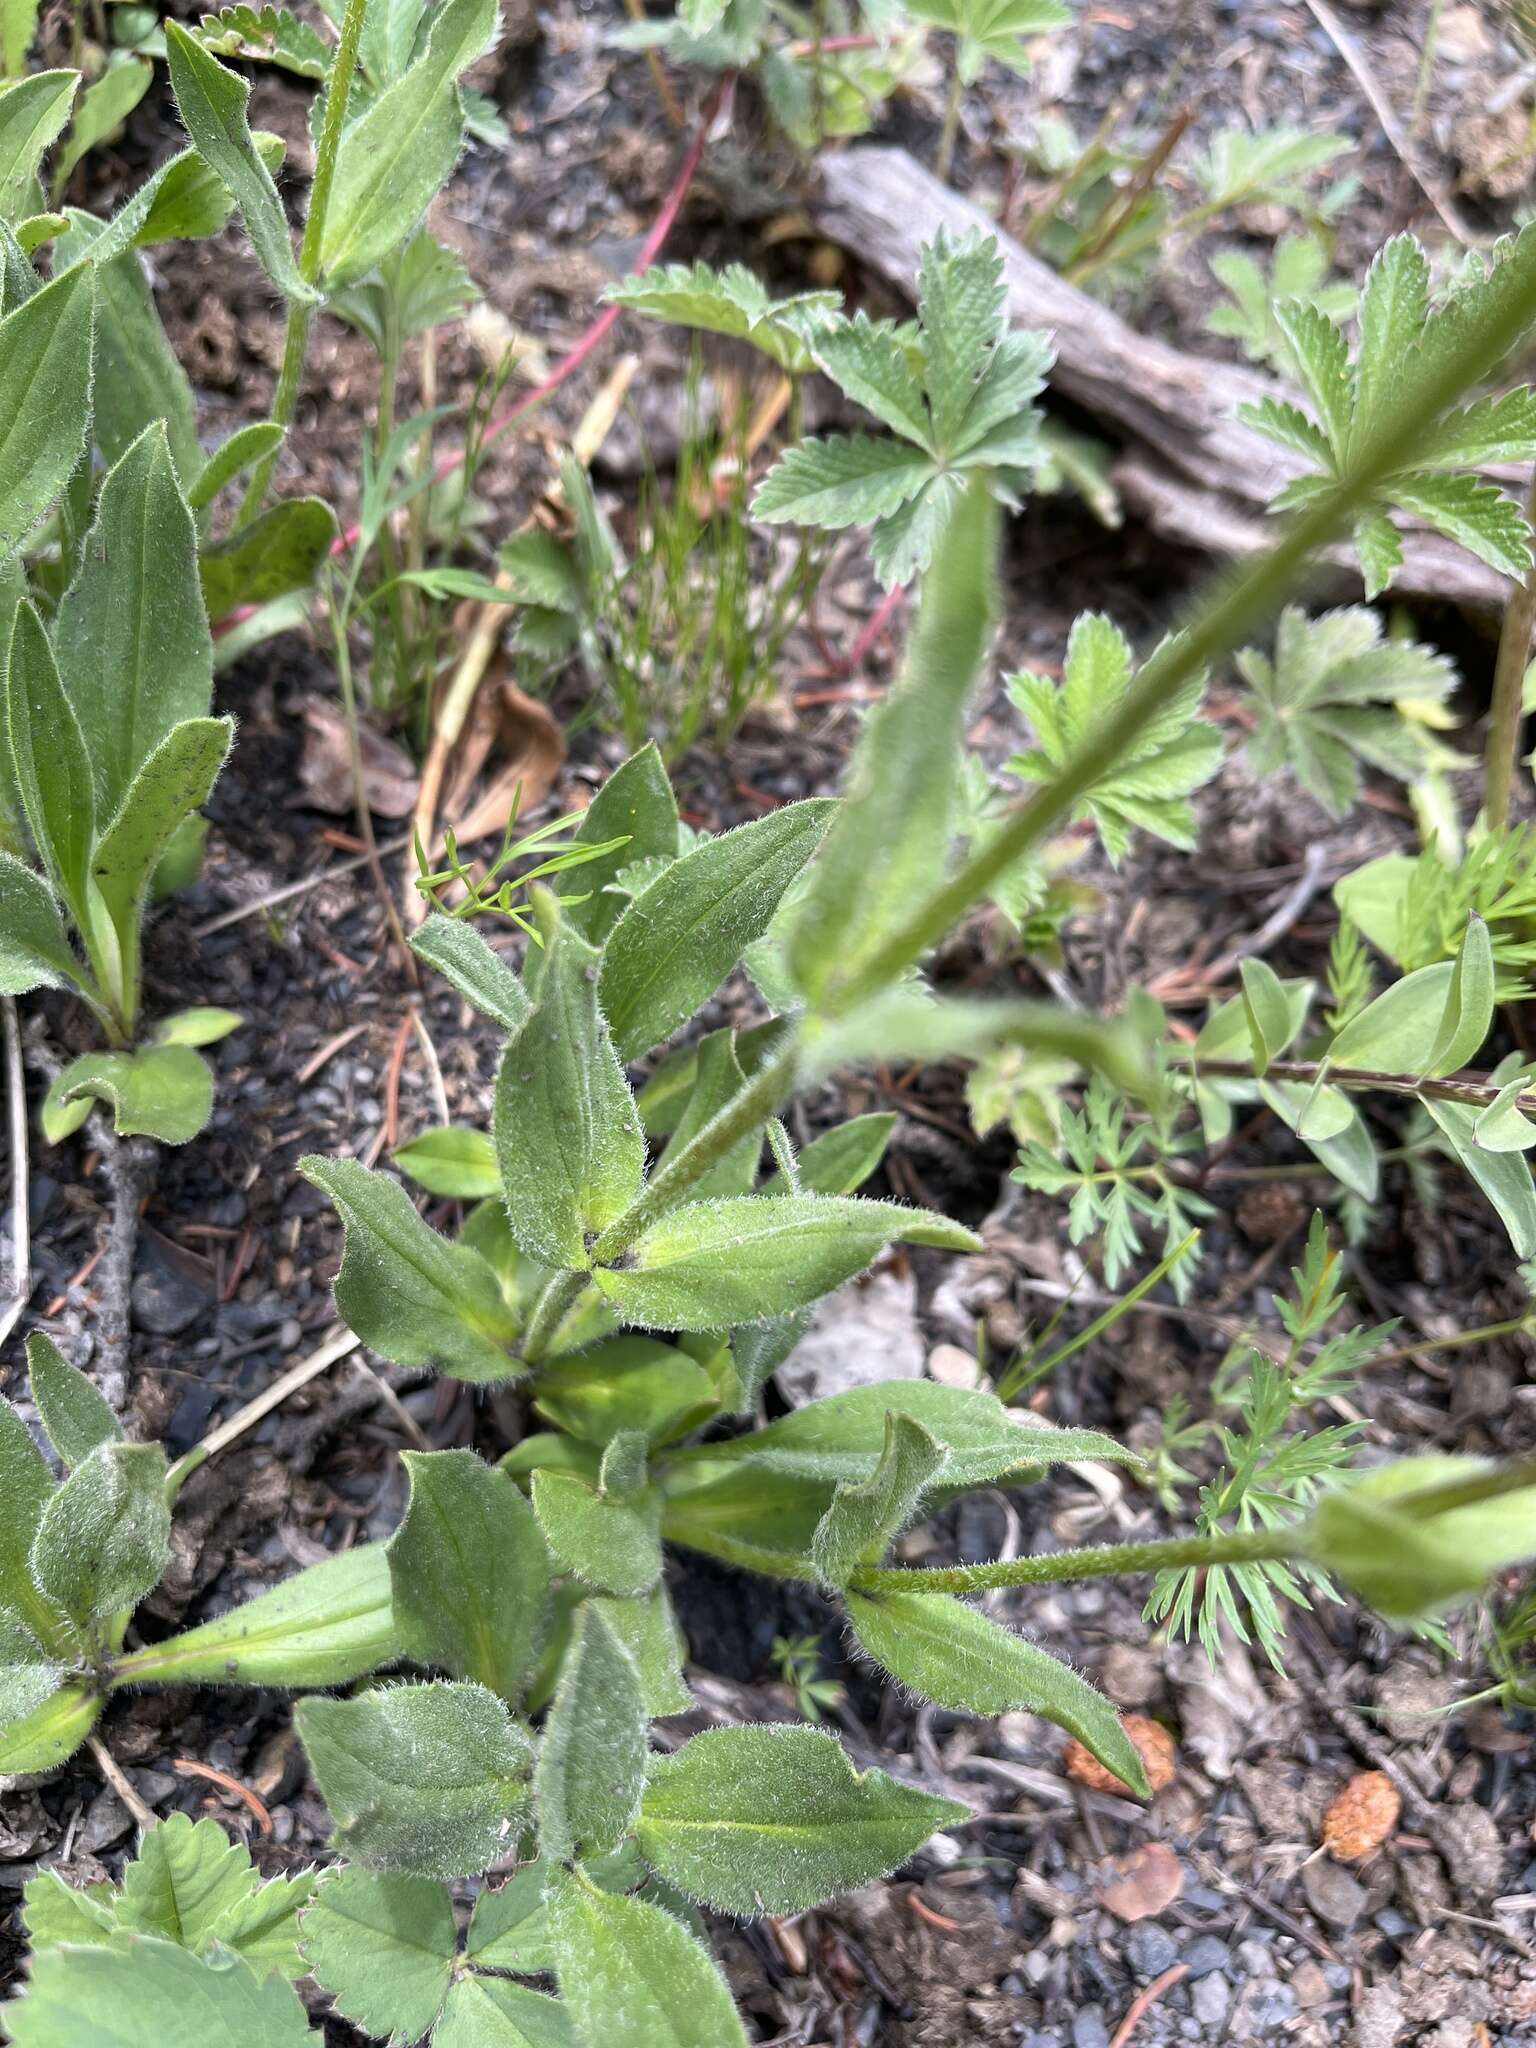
(732, 302)
(152, 1990)
(629, 1972)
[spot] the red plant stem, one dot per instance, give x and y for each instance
(876, 626)
(833, 46)
(718, 104)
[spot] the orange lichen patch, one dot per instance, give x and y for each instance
(1361, 1817)
(1154, 1744)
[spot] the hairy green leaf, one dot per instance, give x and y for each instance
(681, 937)
(955, 1656)
(409, 1293)
(569, 1141)
(470, 1572)
(74, 1412)
(151, 1990)
(776, 1820)
(610, 1543)
(479, 973)
(383, 1946)
(867, 1515)
(49, 759)
(431, 1780)
(45, 399)
(629, 1972)
(103, 1540)
(592, 1758)
(711, 1264)
(163, 1092)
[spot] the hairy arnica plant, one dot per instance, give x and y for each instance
(530, 1842)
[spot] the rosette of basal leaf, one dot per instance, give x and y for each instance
(1336, 694)
(957, 392)
(1149, 785)
(1405, 343)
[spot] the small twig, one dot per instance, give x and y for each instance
(433, 1065)
(338, 1345)
(1391, 127)
(327, 1052)
(1144, 1999)
(290, 890)
(670, 104)
(872, 631)
(1278, 923)
(112, 1772)
(1146, 175)
(21, 1228)
(396, 1406)
(187, 1767)
(130, 1165)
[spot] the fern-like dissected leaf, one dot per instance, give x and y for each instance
(1330, 698)
(732, 302)
(1405, 340)
(1150, 785)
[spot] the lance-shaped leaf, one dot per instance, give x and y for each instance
(1396, 1034)
(568, 1136)
(718, 1080)
(1503, 1126)
(326, 1625)
(394, 159)
(74, 1412)
(173, 782)
(625, 1956)
(776, 1820)
(711, 1264)
(45, 399)
(635, 804)
(893, 831)
(48, 755)
(470, 1572)
(212, 102)
(32, 113)
(842, 1159)
(647, 1627)
(867, 1515)
(476, 970)
(151, 1990)
(1504, 1177)
(238, 452)
(1468, 1014)
(409, 1293)
(268, 557)
(132, 637)
(26, 1484)
(843, 1437)
(106, 104)
(103, 1540)
(139, 381)
(1409, 1565)
(34, 947)
(384, 1947)
(163, 1092)
(608, 1542)
(452, 1161)
(679, 940)
(591, 1767)
(431, 1780)
(955, 1656)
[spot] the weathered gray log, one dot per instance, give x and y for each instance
(1189, 467)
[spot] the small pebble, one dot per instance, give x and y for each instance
(1206, 1954)
(1210, 2000)
(1088, 2029)
(1150, 1949)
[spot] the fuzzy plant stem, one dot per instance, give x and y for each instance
(1509, 668)
(944, 160)
(1237, 605)
(301, 312)
(1473, 1089)
(749, 1108)
(1096, 1561)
